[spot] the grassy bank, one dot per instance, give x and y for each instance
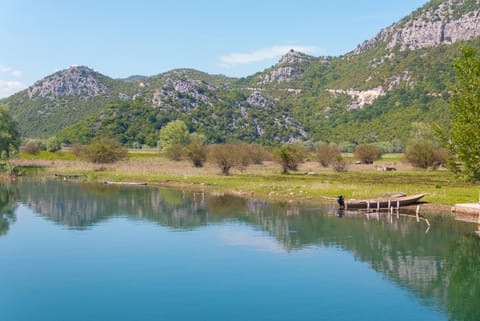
(311, 183)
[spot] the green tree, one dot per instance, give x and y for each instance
(9, 135)
(53, 144)
(289, 157)
(421, 131)
(174, 133)
(174, 137)
(463, 141)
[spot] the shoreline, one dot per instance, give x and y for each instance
(428, 207)
(311, 185)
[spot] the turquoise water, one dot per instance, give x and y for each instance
(81, 252)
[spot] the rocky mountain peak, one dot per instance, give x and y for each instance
(294, 57)
(289, 68)
(75, 81)
(436, 23)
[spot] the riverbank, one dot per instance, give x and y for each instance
(312, 183)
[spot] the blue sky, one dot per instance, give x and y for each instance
(235, 38)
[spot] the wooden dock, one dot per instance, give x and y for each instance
(468, 208)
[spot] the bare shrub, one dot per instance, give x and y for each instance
(197, 152)
(258, 154)
(339, 164)
(78, 150)
(326, 153)
(174, 151)
(32, 147)
(425, 154)
(367, 154)
(227, 156)
(104, 151)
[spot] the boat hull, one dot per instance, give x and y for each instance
(126, 183)
(382, 202)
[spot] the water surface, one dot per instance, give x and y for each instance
(71, 251)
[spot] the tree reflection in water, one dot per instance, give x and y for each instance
(441, 267)
(8, 204)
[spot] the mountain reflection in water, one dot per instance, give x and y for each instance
(442, 267)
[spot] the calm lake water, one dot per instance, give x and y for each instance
(70, 251)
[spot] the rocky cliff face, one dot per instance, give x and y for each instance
(359, 98)
(189, 92)
(256, 99)
(74, 81)
(443, 23)
(289, 68)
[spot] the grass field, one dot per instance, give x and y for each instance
(311, 183)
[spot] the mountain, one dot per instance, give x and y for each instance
(438, 22)
(61, 99)
(132, 78)
(371, 94)
(210, 104)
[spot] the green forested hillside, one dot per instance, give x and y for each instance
(421, 96)
(372, 94)
(137, 123)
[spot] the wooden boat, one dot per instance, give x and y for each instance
(125, 183)
(381, 202)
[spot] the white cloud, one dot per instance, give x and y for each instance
(8, 88)
(249, 239)
(263, 54)
(10, 71)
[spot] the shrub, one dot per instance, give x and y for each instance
(173, 151)
(53, 144)
(339, 164)
(326, 153)
(197, 150)
(257, 154)
(104, 151)
(244, 155)
(289, 157)
(32, 147)
(226, 156)
(425, 154)
(78, 150)
(367, 154)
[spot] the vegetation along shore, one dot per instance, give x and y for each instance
(310, 183)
